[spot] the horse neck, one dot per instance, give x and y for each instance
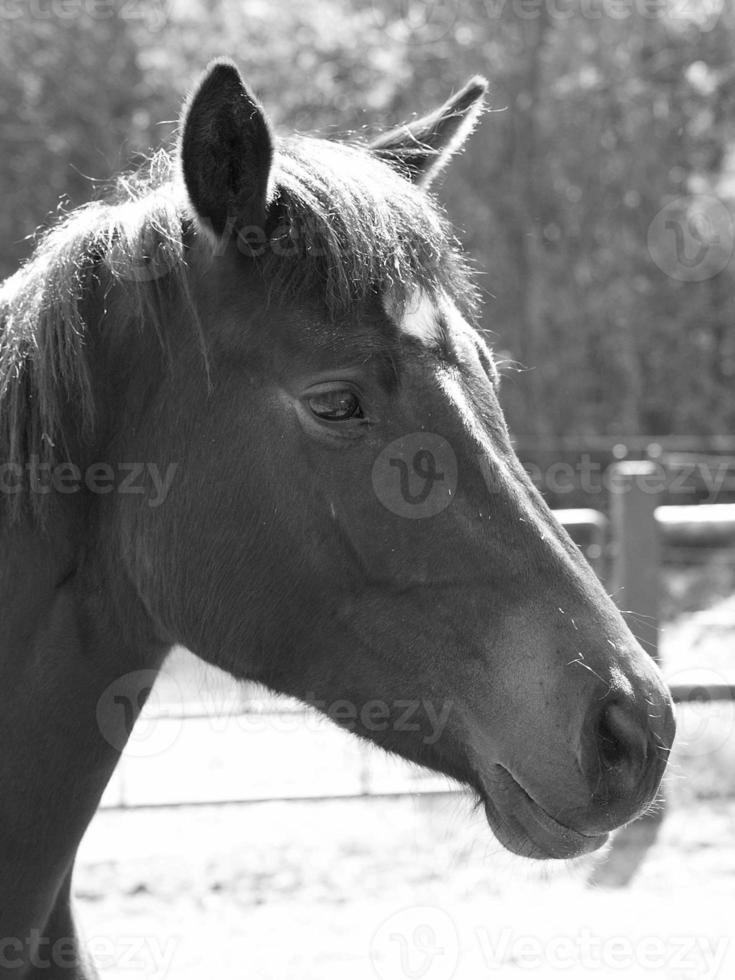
(73, 629)
(70, 630)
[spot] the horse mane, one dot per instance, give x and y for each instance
(135, 238)
(342, 226)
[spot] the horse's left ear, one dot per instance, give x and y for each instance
(421, 149)
(226, 151)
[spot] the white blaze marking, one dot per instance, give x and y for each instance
(431, 321)
(419, 318)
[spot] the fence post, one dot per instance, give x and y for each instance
(635, 489)
(634, 495)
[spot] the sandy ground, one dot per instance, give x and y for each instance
(398, 889)
(405, 888)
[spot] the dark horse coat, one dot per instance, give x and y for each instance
(243, 409)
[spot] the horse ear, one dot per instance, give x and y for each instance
(226, 151)
(421, 149)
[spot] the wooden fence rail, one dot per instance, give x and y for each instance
(637, 530)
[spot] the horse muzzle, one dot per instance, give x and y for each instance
(620, 760)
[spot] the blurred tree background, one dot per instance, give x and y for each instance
(607, 111)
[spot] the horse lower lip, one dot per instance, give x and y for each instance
(527, 829)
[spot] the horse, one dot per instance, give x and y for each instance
(245, 408)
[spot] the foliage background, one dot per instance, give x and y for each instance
(607, 112)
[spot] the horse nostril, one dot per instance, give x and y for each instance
(619, 761)
(622, 741)
(623, 749)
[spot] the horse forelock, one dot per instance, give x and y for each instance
(358, 228)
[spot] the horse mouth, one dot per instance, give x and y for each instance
(524, 827)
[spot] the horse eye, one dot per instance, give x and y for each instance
(336, 406)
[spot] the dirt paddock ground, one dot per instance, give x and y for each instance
(396, 889)
(411, 887)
